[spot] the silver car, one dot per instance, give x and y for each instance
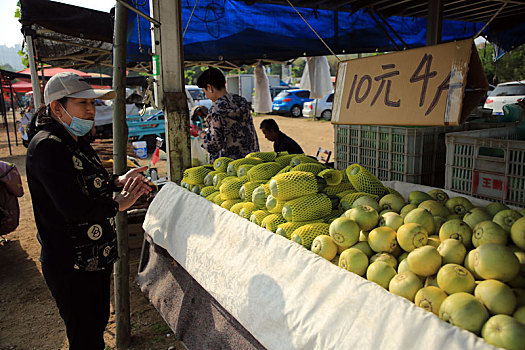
(322, 108)
(503, 94)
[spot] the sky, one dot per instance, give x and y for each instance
(10, 34)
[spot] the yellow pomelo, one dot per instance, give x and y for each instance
(454, 278)
(488, 232)
(354, 260)
(364, 247)
(382, 239)
(388, 258)
(496, 296)
(381, 273)
(517, 233)
(452, 251)
(411, 236)
(405, 285)
(324, 246)
(344, 232)
(495, 261)
(431, 281)
(424, 261)
(433, 240)
(465, 311)
(430, 298)
(519, 314)
(456, 229)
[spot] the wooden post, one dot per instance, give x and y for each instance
(434, 22)
(14, 114)
(120, 138)
(172, 76)
(155, 47)
(37, 94)
(3, 107)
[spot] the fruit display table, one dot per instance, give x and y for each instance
(268, 292)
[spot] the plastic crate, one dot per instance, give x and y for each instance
(488, 164)
(394, 153)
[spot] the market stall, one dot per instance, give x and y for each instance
(205, 257)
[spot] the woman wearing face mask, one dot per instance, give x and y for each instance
(74, 207)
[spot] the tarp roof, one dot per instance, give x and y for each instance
(244, 31)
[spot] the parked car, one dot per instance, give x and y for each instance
(322, 108)
(291, 101)
(505, 93)
(198, 96)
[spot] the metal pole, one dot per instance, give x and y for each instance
(156, 49)
(37, 94)
(120, 136)
(14, 115)
(172, 77)
(434, 22)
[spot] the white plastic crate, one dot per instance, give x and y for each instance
(487, 164)
(394, 153)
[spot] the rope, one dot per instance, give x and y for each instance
(492, 18)
(189, 19)
(313, 30)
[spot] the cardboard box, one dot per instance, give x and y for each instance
(431, 85)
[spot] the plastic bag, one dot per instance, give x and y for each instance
(199, 155)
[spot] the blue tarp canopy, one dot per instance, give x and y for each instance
(234, 31)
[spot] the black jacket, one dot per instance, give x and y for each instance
(286, 143)
(72, 200)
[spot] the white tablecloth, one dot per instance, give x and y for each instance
(285, 295)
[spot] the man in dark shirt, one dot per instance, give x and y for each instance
(281, 142)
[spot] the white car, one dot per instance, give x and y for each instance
(503, 94)
(323, 110)
(198, 96)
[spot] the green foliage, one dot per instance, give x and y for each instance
(508, 68)
(298, 67)
(191, 74)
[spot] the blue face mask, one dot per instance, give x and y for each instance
(78, 127)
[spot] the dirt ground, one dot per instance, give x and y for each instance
(29, 318)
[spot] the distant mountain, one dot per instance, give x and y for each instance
(9, 55)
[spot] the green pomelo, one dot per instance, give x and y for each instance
(344, 232)
(411, 236)
(430, 298)
(366, 200)
(381, 273)
(519, 280)
(506, 218)
(438, 222)
(452, 251)
(324, 246)
(354, 260)
(363, 236)
(388, 258)
(423, 217)
(365, 248)
(454, 278)
(403, 267)
(522, 212)
(391, 219)
(435, 208)
(365, 216)
(488, 232)
(434, 241)
(418, 197)
(431, 281)
(424, 261)
(456, 229)
(495, 207)
(495, 261)
(517, 233)
(519, 314)
(475, 216)
(407, 209)
(497, 297)
(458, 205)
(405, 285)
(439, 195)
(453, 216)
(385, 211)
(392, 202)
(382, 239)
(397, 251)
(465, 311)
(505, 332)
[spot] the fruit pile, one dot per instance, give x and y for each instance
(465, 264)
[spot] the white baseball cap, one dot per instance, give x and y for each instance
(67, 84)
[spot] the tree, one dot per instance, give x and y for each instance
(22, 53)
(510, 67)
(7, 66)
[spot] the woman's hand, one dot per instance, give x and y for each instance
(133, 189)
(132, 174)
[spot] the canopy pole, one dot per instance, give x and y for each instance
(4, 114)
(155, 46)
(14, 114)
(120, 136)
(174, 96)
(37, 94)
(434, 22)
